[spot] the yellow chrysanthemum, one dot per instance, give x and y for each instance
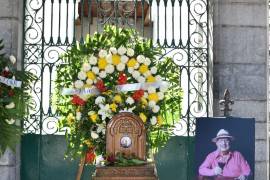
(93, 118)
(102, 63)
(88, 143)
(91, 75)
(159, 120)
(151, 79)
(116, 59)
(113, 107)
(153, 97)
(143, 117)
(117, 99)
(132, 62)
(143, 68)
(70, 119)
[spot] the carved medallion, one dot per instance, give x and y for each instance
(126, 134)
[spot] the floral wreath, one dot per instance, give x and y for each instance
(109, 73)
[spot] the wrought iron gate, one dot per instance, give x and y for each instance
(52, 26)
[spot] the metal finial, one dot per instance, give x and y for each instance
(226, 101)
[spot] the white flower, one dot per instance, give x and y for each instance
(95, 69)
(100, 160)
(101, 128)
(153, 70)
(164, 87)
(120, 67)
(78, 84)
(82, 75)
(109, 69)
(151, 104)
(109, 58)
(113, 50)
(160, 95)
(94, 135)
(151, 89)
(86, 67)
(140, 58)
(153, 120)
(145, 95)
(89, 81)
(147, 73)
(93, 60)
(124, 59)
(102, 53)
(130, 70)
(10, 105)
(130, 52)
(130, 100)
(10, 121)
(104, 111)
(85, 97)
(91, 113)
(147, 61)
(12, 59)
(78, 116)
(137, 65)
(141, 79)
(158, 78)
(121, 50)
(99, 100)
(136, 74)
(6, 69)
(102, 74)
(156, 108)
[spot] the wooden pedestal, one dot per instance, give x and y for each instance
(145, 172)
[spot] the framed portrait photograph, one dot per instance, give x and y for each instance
(225, 148)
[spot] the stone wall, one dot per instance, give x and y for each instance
(241, 65)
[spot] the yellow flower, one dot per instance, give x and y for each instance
(117, 99)
(93, 116)
(153, 97)
(151, 79)
(91, 75)
(159, 120)
(116, 59)
(132, 62)
(88, 143)
(70, 119)
(143, 68)
(143, 117)
(113, 107)
(102, 63)
(144, 101)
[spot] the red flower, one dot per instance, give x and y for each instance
(90, 156)
(138, 94)
(11, 93)
(122, 79)
(77, 100)
(100, 85)
(111, 159)
(6, 73)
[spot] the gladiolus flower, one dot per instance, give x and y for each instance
(100, 85)
(90, 156)
(76, 100)
(138, 94)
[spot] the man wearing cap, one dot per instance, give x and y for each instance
(223, 161)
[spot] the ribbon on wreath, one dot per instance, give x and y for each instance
(10, 82)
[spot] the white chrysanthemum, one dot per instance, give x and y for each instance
(78, 116)
(94, 135)
(102, 53)
(10, 121)
(124, 59)
(160, 95)
(120, 67)
(99, 100)
(113, 50)
(10, 105)
(122, 50)
(102, 74)
(86, 67)
(156, 109)
(158, 78)
(153, 70)
(109, 69)
(151, 104)
(140, 58)
(6, 69)
(153, 120)
(89, 81)
(147, 61)
(109, 58)
(82, 75)
(164, 87)
(130, 52)
(141, 79)
(95, 69)
(145, 95)
(151, 89)
(130, 70)
(136, 74)
(12, 59)
(93, 60)
(137, 65)
(130, 100)
(78, 84)
(147, 73)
